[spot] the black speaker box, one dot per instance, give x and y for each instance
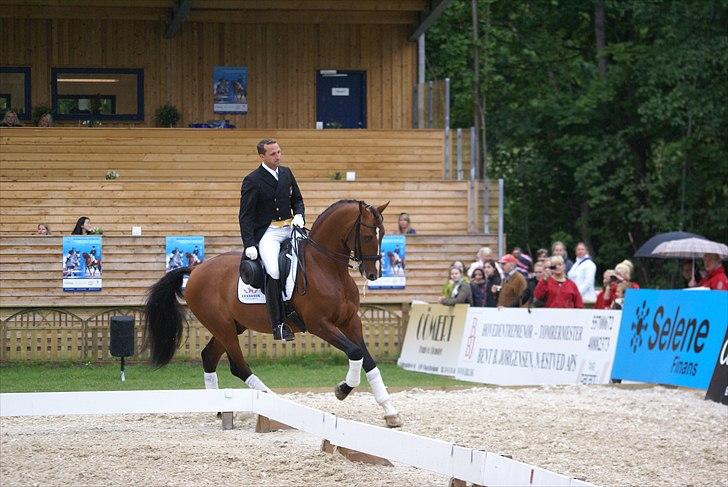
(122, 336)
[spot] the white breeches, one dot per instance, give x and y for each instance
(270, 246)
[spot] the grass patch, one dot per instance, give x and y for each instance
(314, 371)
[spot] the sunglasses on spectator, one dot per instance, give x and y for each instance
(552, 267)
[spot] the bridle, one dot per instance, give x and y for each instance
(358, 255)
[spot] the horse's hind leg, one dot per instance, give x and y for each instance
(238, 366)
(210, 358)
(353, 331)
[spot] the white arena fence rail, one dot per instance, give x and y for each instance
(441, 457)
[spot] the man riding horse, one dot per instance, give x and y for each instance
(270, 206)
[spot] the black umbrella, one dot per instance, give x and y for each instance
(649, 246)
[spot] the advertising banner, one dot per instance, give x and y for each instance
(183, 251)
(671, 337)
(392, 264)
(81, 261)
(718, 388)
(433, 337)
(512, 346)
(230, 89)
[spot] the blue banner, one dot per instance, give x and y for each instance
(184, 251)
(392, 264)
(82, 263)
(230, 89)
(670, 337)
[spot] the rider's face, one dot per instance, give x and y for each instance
(272, 157)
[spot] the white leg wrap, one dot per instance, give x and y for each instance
(210, 380)
(256, 384)
(380, 391)
(353, 376)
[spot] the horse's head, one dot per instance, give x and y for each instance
(366, 239)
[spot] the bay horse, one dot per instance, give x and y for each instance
(346, 231)
(93, 266)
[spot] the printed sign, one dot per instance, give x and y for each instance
(339, 91)
(718, 388)
(184, 251)
(230, 89)
(392, 264)
(433, 337)
(671, 337)
(82, 263)
(512, 346)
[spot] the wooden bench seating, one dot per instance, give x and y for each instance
(149, 153)
(30, 269)
(210, 208)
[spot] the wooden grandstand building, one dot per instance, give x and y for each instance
(186, 181)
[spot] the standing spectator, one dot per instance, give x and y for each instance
(583, 272)
(558, 248)
(479, 288)
(528, 299)
(493, 280)
(43, 229)
(716, 278)
(541, 255)
(690, 273)
(403, 225)
(511, 290)
(609, 290)
(623, 272)
(484, 254)
(525, 263)
(460, 290)
(83, 227)
(556, 289)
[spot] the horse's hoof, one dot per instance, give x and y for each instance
(342, 390)
(393, 421)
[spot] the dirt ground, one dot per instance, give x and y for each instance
(609, 435)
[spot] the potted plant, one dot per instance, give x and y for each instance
(166, 116)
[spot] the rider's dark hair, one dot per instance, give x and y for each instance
(78, 229)
(263, 143)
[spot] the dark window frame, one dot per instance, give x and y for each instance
(136, 117)
(27, 105)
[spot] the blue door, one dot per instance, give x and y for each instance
(341, 99)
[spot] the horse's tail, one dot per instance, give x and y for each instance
(163, 317)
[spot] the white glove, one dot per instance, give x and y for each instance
(298, 221)
(251, 253)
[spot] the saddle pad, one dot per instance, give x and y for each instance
(247, 294)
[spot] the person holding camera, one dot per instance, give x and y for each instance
(609, 290)
(555, 289)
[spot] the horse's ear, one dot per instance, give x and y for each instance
(381, 209)
(362, 208)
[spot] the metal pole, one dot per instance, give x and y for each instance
(473, 200)
(447, 128)
(501, 238)
(459, 153)
(421, 59)
(429, 107)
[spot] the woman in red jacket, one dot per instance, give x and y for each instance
(555, 289)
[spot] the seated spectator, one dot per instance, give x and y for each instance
(484, 254)
(43, 229)
(513, 285)
(558, 248)
(459, 289)
(403, 225)
(715, 278)
(10, 120)
(83, 227)
(583, 272)
(528, 300)
(46, 120)
(525, 263)
(690, 273)
(606, 295)
(493, 280)
(555, 289)
(478, 288)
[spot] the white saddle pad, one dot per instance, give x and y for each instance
(249, 295)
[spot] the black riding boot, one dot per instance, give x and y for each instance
(274, 302)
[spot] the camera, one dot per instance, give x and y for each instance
(613, 278)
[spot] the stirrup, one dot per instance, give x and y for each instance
(281, 332)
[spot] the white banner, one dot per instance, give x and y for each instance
(432, 340)
(513, 346)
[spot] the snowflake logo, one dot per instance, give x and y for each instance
(640, 324)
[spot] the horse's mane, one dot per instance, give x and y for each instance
(331, 209)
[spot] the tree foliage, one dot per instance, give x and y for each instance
(608, 157)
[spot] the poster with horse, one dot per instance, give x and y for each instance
(230, 89)
(392, 264)
(81, 260)
(184, 251)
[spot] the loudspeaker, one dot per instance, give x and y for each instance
(122, 336)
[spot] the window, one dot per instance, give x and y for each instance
(15, 91)
(97, 93)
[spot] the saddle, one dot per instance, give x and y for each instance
(253, 274)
